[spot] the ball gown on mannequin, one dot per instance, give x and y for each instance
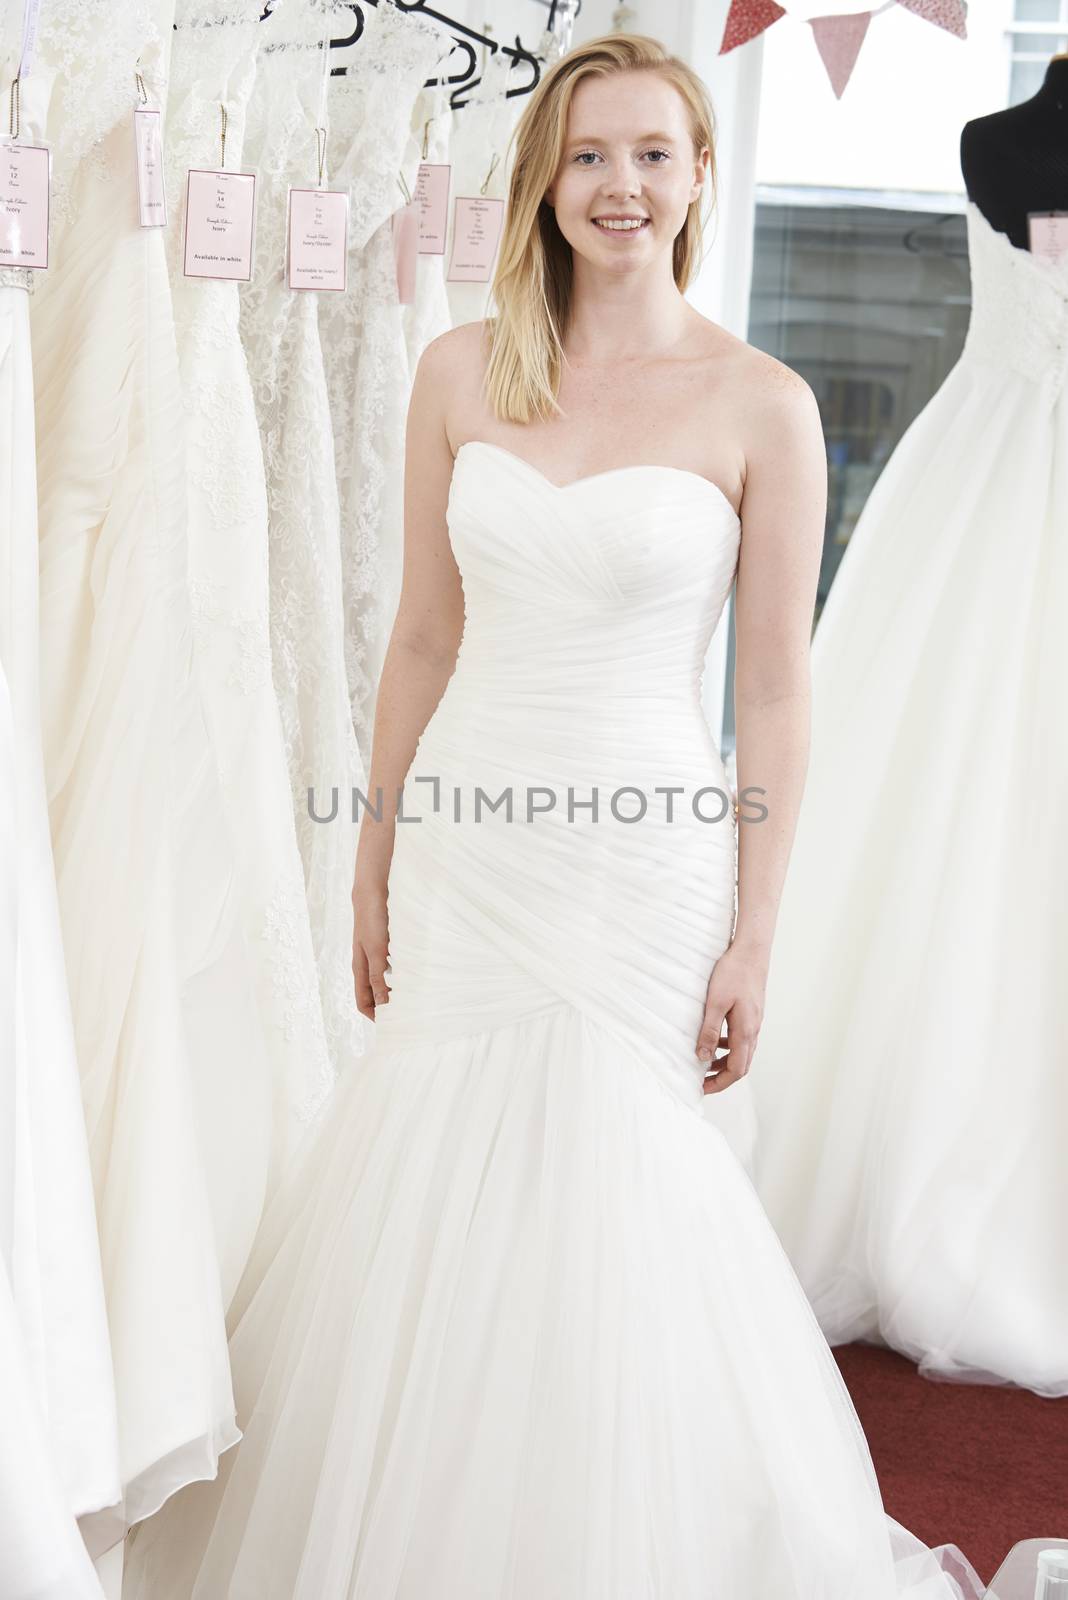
(909, 1075)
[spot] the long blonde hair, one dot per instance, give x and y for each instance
(532, 284)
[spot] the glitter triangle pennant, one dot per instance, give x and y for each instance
(838, 40)
(949, 14)
(746, 19)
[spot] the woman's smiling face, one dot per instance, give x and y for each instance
(628, 172)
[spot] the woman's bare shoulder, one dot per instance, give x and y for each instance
(751, 373)
(459, 352)
(453, 366)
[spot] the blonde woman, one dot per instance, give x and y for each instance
(519, 1330)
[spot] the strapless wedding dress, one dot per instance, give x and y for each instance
(910, 1075)
(519, 1327)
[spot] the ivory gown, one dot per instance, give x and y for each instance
(910, 1076)
(520, 1328)
(168, 1037)
(58, 1441)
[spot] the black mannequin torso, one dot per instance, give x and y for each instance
(1016, 161)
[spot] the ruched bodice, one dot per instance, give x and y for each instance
(1019, 318)
(577, 697)
(591, 604)
(620, 576)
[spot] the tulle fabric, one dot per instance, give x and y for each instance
(909, 1075)
(526, 1331)
(519, 1327)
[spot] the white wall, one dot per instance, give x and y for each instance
(898, 124)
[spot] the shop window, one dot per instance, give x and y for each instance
(1039, 30)
(869, 302)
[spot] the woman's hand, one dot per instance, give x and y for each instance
(370, 947)
(735, 996)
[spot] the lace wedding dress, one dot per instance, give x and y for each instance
(280, 334)
(519, 1328)
(910, 1071)
(166, 1028)
(362, 331)
(213, 66)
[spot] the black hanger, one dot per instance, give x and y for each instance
(466, 39)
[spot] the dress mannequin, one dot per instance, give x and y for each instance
(1016, 161)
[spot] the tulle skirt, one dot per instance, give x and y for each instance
(909, 1076)
(519, 1326)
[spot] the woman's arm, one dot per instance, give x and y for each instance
(784, 508)
(419, 660)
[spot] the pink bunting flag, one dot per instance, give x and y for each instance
(838, 40)
(949, 14)
(746, 19)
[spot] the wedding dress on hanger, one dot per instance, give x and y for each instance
(477, 148)
(429, 314)
(54, 1258)
(42, 1556)
(519, 1327)
(362, 331)
(166, 1029)
(213, 67)
(280, 335)
(909, 1076)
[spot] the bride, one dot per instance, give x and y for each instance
(518, 1329)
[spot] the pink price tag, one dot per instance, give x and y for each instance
(476, 232)
(148, 146)
(1048, 233)
(25, 174)
(432, 198)
(406, 250)
(318, 238)
(220, 223)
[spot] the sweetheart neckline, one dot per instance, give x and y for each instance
(1054, 271)
(594, 477)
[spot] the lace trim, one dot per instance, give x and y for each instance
(17, 278)
(1019, 319)
(280, 335)
(90, 49)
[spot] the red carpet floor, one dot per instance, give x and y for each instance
(967, 1464)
